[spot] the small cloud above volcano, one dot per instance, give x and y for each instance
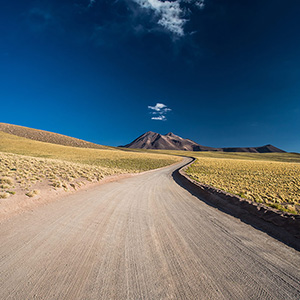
(159, 111)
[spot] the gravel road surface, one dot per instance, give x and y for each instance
(143, 237)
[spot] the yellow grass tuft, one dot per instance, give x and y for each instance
(4, 195)
(6, 180)
(32, 193)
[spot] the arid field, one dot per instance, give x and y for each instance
(19, 174)
(269, 178)
(47, 137)
(26, 164)
(138, 236)
(276, 184)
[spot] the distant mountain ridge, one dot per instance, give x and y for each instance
(170, 141)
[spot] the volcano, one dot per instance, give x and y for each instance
(171, 141)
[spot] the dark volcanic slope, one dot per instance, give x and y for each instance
(262, 149)
(268, 149)
(46, 136)
(170, 141)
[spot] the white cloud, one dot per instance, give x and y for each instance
(170, 13)
(159, 118)
(158, 106)
(159, 110)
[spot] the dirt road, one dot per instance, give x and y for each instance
(143, 237)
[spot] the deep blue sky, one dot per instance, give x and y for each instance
(228, 70)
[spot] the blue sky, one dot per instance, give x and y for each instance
(223, 73)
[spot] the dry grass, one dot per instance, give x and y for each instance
(4, 195)
(270, 178)
(64, 167)
(6, 180)
(124, 161)
(32, 193)
(46, 136)
(280, 157)
(23, 173)
(277, 184)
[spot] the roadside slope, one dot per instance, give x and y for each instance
(47, 136)
(143, 237)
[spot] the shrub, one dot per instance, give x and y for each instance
(32, 193)
(6, 180)
(4, 195)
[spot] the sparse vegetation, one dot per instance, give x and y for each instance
(30, 163)
(32, 193)
(277, 184)
(280, 157)
(4, 195)
(124, 161)
(6, 180)
(270, 178)
(48, 137)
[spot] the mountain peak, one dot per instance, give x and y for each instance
(170, 134)
(149, 132)
(170, 141)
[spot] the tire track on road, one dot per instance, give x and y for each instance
(143, 237)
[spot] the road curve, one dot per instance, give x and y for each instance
(143, 237)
